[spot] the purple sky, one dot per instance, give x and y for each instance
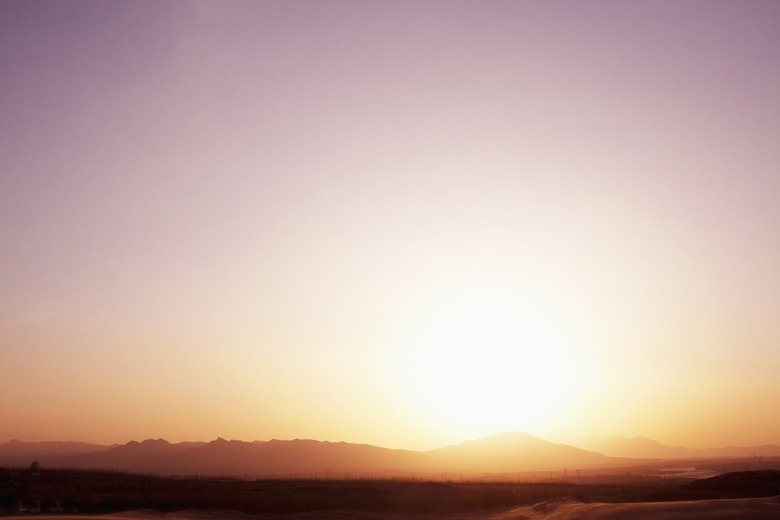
(264, 211)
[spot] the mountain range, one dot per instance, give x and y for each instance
(497, 454)
(644, 448)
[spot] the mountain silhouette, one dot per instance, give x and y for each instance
(18, 448)
(133, 456)
(633, 448)
(306, 457)
(644, 448)
(514, 452)
(497, 454)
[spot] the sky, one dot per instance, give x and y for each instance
(406, 224)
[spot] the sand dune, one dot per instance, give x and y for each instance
(746, 508)
(557, 509)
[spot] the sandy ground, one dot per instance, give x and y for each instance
(558, 509)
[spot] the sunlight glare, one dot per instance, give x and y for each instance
(491, 362)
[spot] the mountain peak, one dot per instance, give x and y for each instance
(157, 442)
(505, 439)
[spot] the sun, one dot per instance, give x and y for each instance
(488, 360)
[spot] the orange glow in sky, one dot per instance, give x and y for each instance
(406, 223)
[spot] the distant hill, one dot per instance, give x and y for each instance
(16, 447)
(136, 456)
(297, 457)
(15, 452)
(644, 448)
(300, 457)
(511, 452)
(514, 452)
(757, 452)
(497, 454)
(633, 448)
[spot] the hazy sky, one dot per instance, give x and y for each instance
(401, 223)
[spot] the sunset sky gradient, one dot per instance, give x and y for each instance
(400, 223)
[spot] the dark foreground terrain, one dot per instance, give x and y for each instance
(35, 490)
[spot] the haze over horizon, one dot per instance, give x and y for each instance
(609, 445)
(406, 224)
